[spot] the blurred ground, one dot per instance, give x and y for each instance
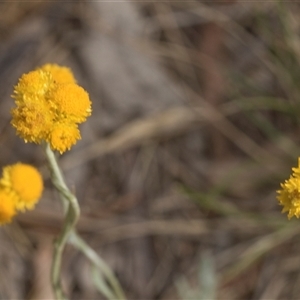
(195, 123)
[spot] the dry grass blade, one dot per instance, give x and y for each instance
(258, 249)
(165, 125)
(170, 123)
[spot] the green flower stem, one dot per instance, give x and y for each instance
(100, 264)
(57, 177)
(112, 290)
(72, 212)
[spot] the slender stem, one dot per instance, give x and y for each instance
(101, 285)
(57, 176)
(96, 260)
(72, 212)
(112, 290)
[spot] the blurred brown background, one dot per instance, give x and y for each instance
(195, 123)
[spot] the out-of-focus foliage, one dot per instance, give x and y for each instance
(195, 123)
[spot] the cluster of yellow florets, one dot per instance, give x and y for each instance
(21, 187)
(49, 107)
(289, 195)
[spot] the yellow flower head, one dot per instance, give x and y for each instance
(32, 86)
(49, 106)
(59, 74)
(63, 136)
(289, 195)
(25, 182)
(71, 101)
(7, 206)
(32, 121)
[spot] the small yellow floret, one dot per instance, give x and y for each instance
(59, 74)
(34, 84)
(32, 121)
(26, 182)
(71, 101)
(64, 136)
(289, 195)
(7, 206)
